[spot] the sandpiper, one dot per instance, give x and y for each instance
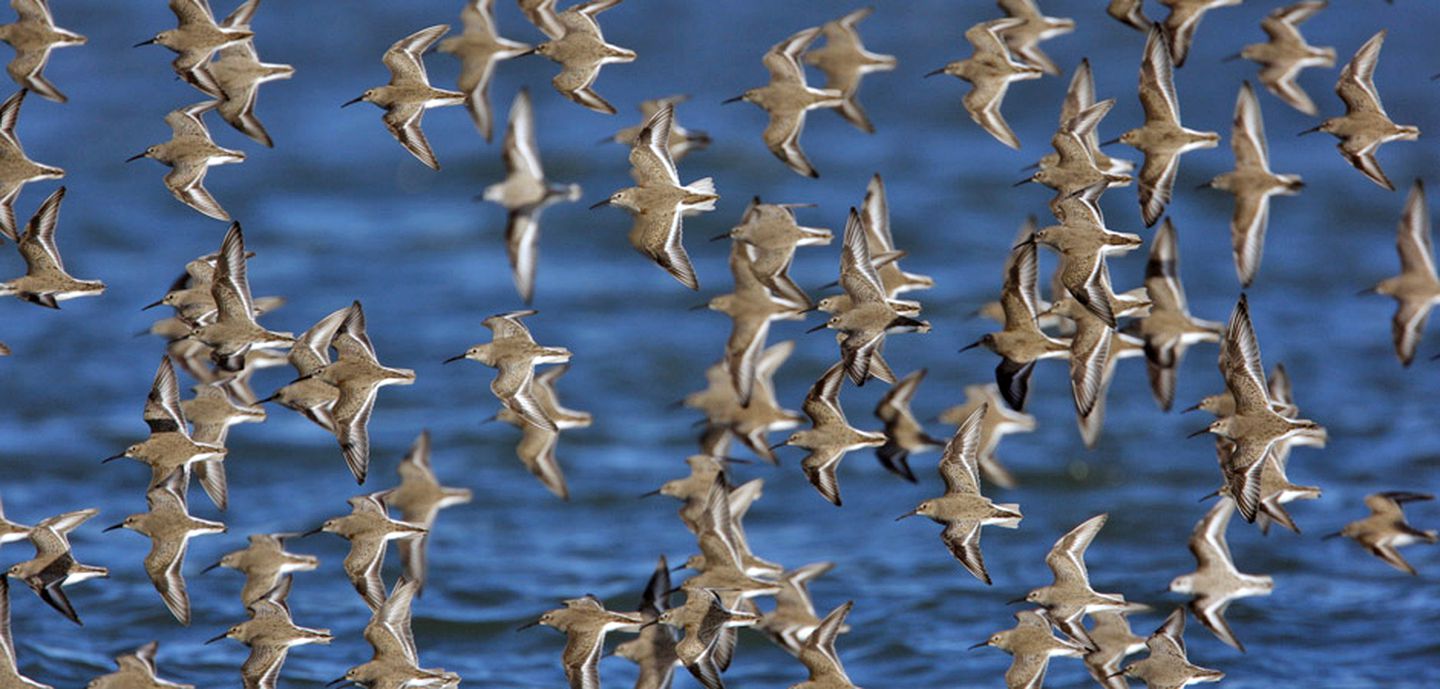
(9, 663)
(818, 654)
(16, 168)
(845, 62)
(1365, 125)
(1024, 39)
(309, 395)
(1216, 582)
(753, 422)
(990, 69)
(659, 202)
(420, 497)
(694, 489)
(394, 661)
(234, 332)
(875, 217)
(1253, 184)
(721, 564)
(794, 620)
(45, 281)
(1094, 349)
(1032, 644)
(962, 509)
(409, 93)
(772, 234)
(54, 564)
(1070, 598)
(1183, 20)
(998, 421)
(585, 622)
(654, 649)
(524, 194)
(1079, 97)
(514, 353)
(169, 448)
(1162, 138)
(1113, 641)
(581, 50)
(1074, 168)
(136, 669)
(1020, 343)
(212, 413)
(1168, 666)
(33, 35)
(1131, 13)
(270, 633)
(1417, 288)
(682, 141)
(170, 527)
(739, 501)
(1169, 330)
(787, 98)
(369, 529)
(190, 152)
(903, 433)
(831, 436)
(1287, 53)
(359, 375)
(265, 564)
(1385, 530)
(236, 75)
(705, 621)
(536, 448)
(196, 36)
(478, 48)
(751, 307)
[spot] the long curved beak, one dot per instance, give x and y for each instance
(352, 101)
(718, 237)
(214, 566)
(222, 636)
(152, 305)
(600, 204)
(971, 346)
(1198, 433)
(1193, 407)
(982, 644)
(1311, 130)
(1111, 142)
(527, 625)
(312, 532)
(699, 307)
(911, 513)
(112, 458)
(818, 328)
(1329, 536)
(736, 99)
(1207, 496)
(453, 359)
(144, 43)
(649, 494)
(1014, 601)
(135, 157)
(934, 73)
(651, 623)
(1021, 183)
(113, 527)
(335, 681)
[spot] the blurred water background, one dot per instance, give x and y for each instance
(338, 211)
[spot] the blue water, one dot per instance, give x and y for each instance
(338, 211)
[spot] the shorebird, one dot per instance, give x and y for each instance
(46, 281)
(1365, 125)
(585, 622)
(1113, 641)
(1131, 13)
(237, 73)
(420, 497)
(875, 218)
(707, 644)
(831, 436)
(525, 193)
(191, 152)
(903, 433)
(265, 563)
(1020, 343)
(794, 620)
(654, 649)
(234, 332)
(1417, 288)
(1094, 349)
(54, 564)
(394, 662)
(752, 423)
(1253, 184)
(270, 633)
(1216, 582)
(722, 564)
(514, 353)
(1385, 530)
(1074, 168)
(739, 500)
(998, 421)
(694, 489)
(134, 670)
(478, 48)
(1256, 427)
(212, 413)
(1162, 138)
(358, 375)
(9, 662)
(1079, 97)
(845, 62)
(870, 317)
(170, 527)
(818, 654)
(787, 98)
(1287, 53)
(409, 93)
(659, 202)
(751, 307)
(1032, 644)
(1024, 39)
(369, 529)
(772, 234)
(990, 69)
(196, 37)
(33, 35)
(536, 448)
(581, 50)
(1169, 330)
(962, 509)
(16, 168)
(1183, 20)
(1168, 666)
(1070, 598)
(682, 141)
(169, 448)
(309, 395)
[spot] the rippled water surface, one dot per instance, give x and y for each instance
(337, 211)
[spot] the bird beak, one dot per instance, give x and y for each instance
(271, 398)
(818, 328)
(651, 623)
(531, 51)
(335, 681)
(1311, 130)
(222, 636)
(1117, 674)
(718, 237)
(736, 99)
(777, 446)
(1021, 183)
(911, 513)
(677, 568)
(152, 305)
(1329, 536)
(527, 625)
(699, 307)
(113, 527)
(1193, 407)
(1365, 292)
(144, 43)
(971, 346)
(934, 72)
(600, 204)
(207, 569)
(982, 644)
(352, 101)
(135, 157)
(454, 359)
(1207, 496)
(112, 458)
(1200, 432)
(312, 532)
(1013, 602)
(649, 494)
(1111, 142)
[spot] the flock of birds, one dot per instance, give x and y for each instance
(213, 335)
